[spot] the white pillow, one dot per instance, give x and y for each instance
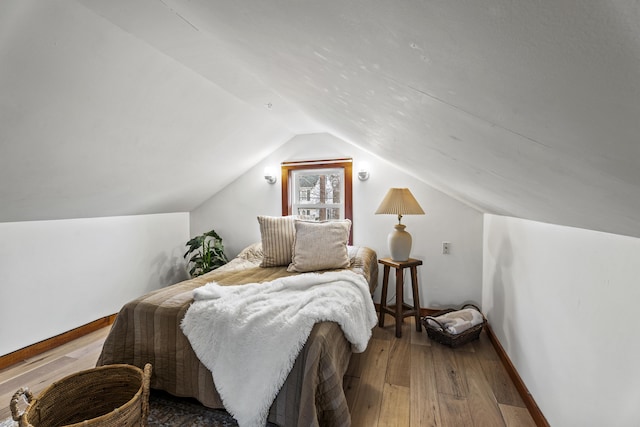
(277, 233)
(320, 245)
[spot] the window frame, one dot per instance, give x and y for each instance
(344, 163)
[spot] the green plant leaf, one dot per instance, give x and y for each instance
(206, 253)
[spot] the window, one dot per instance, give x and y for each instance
(318, 190)
(304, 194)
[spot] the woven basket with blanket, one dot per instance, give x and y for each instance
(453, 327)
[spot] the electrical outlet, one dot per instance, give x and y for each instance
(446, 248)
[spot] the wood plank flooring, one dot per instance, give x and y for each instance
(401, 382)
(412, 381)
(40, 371)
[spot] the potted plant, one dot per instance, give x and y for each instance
(206, 253)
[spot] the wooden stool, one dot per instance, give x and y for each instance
(398, 310)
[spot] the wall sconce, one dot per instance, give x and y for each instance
(363, 173)
(270, 175)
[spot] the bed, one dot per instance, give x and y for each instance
(147, 329)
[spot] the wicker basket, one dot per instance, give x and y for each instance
(446, 338)
(107, 396)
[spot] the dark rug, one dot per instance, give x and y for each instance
(166, 410)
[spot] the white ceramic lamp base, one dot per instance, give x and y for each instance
(399, 243)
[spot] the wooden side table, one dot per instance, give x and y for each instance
(398, 310)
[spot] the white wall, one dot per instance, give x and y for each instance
(564, 304)
(82, 97)
(445, 279)
(58, 275)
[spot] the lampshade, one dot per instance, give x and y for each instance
(399, 201)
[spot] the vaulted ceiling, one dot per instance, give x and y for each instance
(523, 108)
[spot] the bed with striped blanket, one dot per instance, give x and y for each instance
(147, 330)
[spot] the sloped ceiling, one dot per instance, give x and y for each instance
(523, 108)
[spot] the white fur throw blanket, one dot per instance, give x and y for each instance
(249, 336)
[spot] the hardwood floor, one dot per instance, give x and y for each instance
(396, 382)
(411, 381)
(40, 371)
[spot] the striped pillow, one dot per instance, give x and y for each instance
(278, 233)
(320, 245)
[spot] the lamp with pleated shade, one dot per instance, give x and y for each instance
(399, 201)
